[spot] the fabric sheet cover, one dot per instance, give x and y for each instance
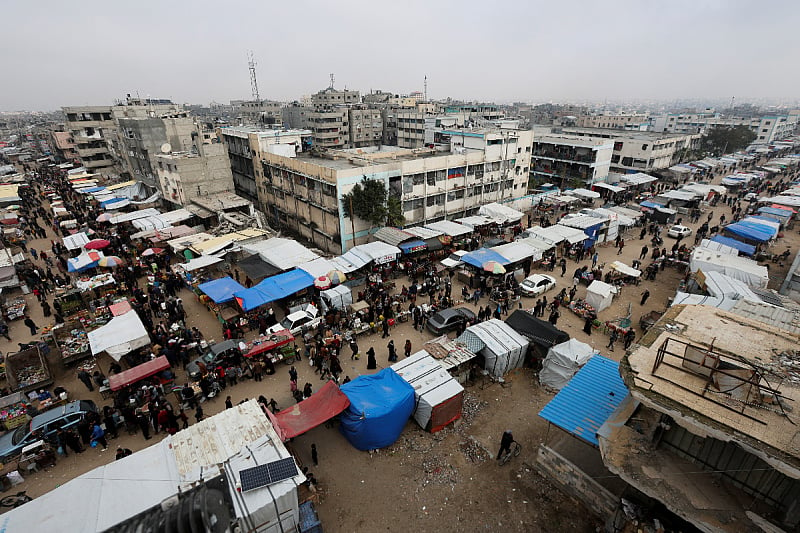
(439, 397)
(323, 405)
(76, 241)
(121, 335)
(736, 267)
(221, 290)
(501, 214)
(274, 288)
(284, 254)
(539, 332)
(599, 295)
(256, 268)
(563, 361)
(380, 406)
(137, 373)
(750, 232)
(746, 249)
(480, 257)
(502, 348)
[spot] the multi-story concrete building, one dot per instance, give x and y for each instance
(366, 126)
(639, 151)
(711, 431)
(204, 171)
(303, 191)
(64, 146)
(410, 128)
(570, 160)
(331, 97)
(330, 126)
(622, 122)
(767, 128)
(93, 130)
(247, 145)
(261, 113)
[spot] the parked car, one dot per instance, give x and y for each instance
(216, 354)
(679, 231)
(43, 427)
(537, 284)
(454, 260)
(299, 321)
(449, 319)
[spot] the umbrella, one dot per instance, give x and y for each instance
(337, 277)
(494, 267)
(323, 282)
(110, 261)
(96, 244)
(105, 217)
(152, 251)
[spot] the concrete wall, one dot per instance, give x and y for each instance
(575, 482)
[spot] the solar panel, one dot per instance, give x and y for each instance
(263, 475)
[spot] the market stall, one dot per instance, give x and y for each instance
(14, 308)
(563, 361)
(138, 373)
(599, 295)
(73, 341)
(28, 369)
(70, 299)
(120, 336)
(13, 410)
(276, 347)
(619, 272)
(502, 348)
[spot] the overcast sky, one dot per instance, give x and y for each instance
(58, 52)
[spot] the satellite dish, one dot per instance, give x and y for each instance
(166, 148)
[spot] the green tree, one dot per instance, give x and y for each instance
(394, 211)
(725, 139)
(367, 201)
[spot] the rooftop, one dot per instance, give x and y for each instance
(221, 200)
(364, 157)
(615, 134)
(719, 373)
(244, 131)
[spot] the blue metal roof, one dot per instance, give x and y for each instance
(588, 400)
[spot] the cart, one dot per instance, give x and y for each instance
(278, 347)
(27, 370)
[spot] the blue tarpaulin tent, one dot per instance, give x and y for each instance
(766, 227)
(380, 406)
(651, 205)
(749, 232)
(480, 257)
(412, 246)
(746, 249)
(221, 290)
(587, 401)
(111, 201)
(782, 214)
(274, 288)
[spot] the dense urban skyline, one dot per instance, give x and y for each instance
(92, 52)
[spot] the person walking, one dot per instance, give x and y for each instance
(314, 456)
(385, 328)
(553, 319)
(643, 253)
(621, 246)
(31, 324)
(587, 325)
(4, 330)
(228, 403)
(595, 257)
(99, 436)
(86, 378)
(354, 349)
(372, 364)
(407, 348)
(392, 352)
(563, 264)
(612, 339)
(645, 296)
(628, 338)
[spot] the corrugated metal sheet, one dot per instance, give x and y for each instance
(588, 399)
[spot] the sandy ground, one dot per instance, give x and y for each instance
(423, 482)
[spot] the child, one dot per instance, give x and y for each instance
(314, 457)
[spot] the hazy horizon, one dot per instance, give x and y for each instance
(92, 53)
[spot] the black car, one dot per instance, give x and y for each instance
(449, 319)
(217, 353)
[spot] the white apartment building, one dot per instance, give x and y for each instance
(304, 192)
(640, 151)
(768, 129)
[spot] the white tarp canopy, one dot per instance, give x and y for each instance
(639, 178)
(474, 221)
(622, 220)
(122, 335)
(564, 199)
(612, 188)
(180, 244)
(318, 267)
(682, 195)
(599, 295)
(127, 217)
(622, 268)
(719, 247)
(448, 227)
(434, 390)
(350, 261)
(76, 241)
(235, 439)
(723, 291)
(502, 348)
(624, 211)
(500, 213)
(736, 267)
(518, 251)
(571, 235)
(202, 261)
(583, 221)
(583, 193)
(563, 361)
(283, 254)
(537, 244)
(424, 233)
(379, 251)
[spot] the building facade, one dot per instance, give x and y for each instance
(570, 160)
(64, 145)
(767, 129)
(186, 176)
(304, 193)
(623, 121)
(93, 131)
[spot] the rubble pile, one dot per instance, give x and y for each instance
(474, 451)
(438, 471)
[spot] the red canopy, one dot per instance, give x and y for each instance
(120, 308)
(132, 375)
(323, 405)
(267, 343)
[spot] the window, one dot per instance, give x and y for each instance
(436, 199)
(644, 147)
(618, 146)
(410, 205)
(768, 122)
(765, 130)
(626, 161)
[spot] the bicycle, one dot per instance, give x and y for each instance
(513, 451)
(15, 500)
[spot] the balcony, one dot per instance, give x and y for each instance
(88, 152)
(570, 157)
(334, 134)
(97, 163)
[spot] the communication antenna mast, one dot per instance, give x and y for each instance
(332, 79)
(251, 62)
(733, 99)
(426, 88)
